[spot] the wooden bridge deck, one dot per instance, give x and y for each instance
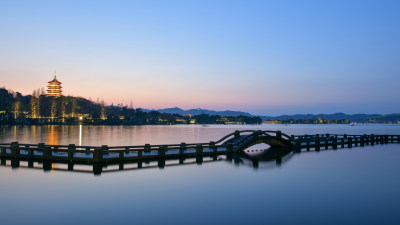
(231, 143)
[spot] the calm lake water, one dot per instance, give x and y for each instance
(345, 186)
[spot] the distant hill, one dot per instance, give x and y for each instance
(334, 116)
(359, 118)
(199, 111)
(395, 117)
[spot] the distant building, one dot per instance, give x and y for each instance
(271, 122)
(54, 87)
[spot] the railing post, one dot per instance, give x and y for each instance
(49, 152)
(355, 141)
(327, 142)
(161, 151)
(372, 139)
(71, 150)
(362, 141)
(147, 148)
(46, 151)
(41, 147)
(386, 139)
(349, 142)
(391, 139)
(98, 154)
(344, 140)
(14, 149)
(104, 150)
(31, 154)
(139, 153)
(199, 149)
(182, 148)
(122, 154)
(334, 143)
(308, 145)
(279, 134)
(212, 146)
(237, 134)
(317, 144)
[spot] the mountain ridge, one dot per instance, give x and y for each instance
(198, 111)
(359, 117)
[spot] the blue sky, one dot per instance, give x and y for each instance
(263, 57)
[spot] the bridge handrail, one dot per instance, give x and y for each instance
(251, 131)
(340, 135)
(260, 132)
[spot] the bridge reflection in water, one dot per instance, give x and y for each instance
(257, 159)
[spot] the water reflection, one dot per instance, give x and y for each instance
(80, 135)
(139, 135)
(268, 158)
(264, 158)
(360, 185)
(53, 135)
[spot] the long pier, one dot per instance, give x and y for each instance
(235, 142)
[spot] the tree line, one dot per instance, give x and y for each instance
(38, 108)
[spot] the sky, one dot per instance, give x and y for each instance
(262, 57)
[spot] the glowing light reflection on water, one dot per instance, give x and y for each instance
(344, 186)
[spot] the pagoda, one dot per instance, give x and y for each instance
(54, 87)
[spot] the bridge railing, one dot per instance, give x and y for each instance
(239, 139)
(104, 153)
(333, 141)
(253, 133)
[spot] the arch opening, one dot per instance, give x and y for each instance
(257, 149)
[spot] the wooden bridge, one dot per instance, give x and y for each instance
(235, 142)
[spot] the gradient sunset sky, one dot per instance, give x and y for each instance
(262, 57)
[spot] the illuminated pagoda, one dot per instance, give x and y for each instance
(54, 87)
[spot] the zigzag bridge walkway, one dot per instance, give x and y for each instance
(232, 143)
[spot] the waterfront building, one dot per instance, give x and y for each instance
(54, 87)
